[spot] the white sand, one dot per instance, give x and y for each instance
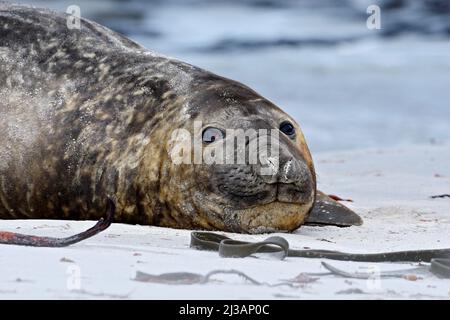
(391, 189)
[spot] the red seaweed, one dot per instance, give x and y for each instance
(38, 241)
(337, 198)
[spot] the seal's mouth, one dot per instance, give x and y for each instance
(274, 192)
(294, 193)
(280, 207)
(276, 216)
(289, 193)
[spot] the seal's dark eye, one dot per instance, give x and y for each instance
(212, 134)
(287, 128)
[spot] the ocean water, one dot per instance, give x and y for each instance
(348, 86)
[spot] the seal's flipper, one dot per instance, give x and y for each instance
(327, 211)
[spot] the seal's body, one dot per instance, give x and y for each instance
(87, 113)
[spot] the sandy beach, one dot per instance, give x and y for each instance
(390, 189)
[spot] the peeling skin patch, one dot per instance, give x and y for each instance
(287, 167)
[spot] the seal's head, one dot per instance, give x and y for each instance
(247, 162)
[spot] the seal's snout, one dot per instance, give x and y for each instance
(288, 174)
(293, 181)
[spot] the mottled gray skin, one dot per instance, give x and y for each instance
(88, 113)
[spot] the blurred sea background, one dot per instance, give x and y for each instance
(348, 86)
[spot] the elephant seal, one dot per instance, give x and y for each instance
(88, 114)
